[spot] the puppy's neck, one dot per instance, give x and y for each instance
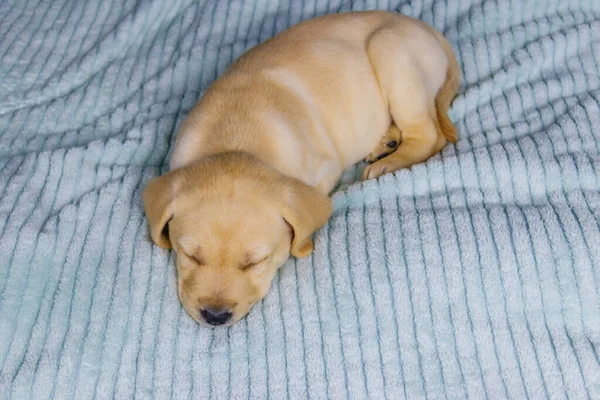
(267, 123)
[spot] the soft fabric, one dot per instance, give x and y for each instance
(473, 275)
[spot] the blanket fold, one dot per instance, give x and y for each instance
(473, 275)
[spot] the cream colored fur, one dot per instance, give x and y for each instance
(255, 160)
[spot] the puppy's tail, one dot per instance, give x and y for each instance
(448, 92)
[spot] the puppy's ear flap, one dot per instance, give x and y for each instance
(158, 199)
(306, 210)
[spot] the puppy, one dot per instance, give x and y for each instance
(255, 160)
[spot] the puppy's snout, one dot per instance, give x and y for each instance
(215, 316)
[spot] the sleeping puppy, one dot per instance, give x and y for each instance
(255, 160)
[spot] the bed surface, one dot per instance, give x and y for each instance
(475, 274)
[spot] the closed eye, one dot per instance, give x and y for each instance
(190, 250)
(249, 265)
(196, 260)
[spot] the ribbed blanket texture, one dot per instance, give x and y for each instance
(473, 275)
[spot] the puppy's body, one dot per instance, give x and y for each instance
(318, 98)
(255, 160)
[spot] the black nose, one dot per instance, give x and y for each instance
(215, 316)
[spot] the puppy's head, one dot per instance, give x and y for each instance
(232, 222)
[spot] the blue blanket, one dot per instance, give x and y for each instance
(475, 274)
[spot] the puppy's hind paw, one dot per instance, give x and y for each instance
(374, 170)
(387, 145)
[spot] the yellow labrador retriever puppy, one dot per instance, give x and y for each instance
(257, 157)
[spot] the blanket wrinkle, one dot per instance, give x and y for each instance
(473, 275)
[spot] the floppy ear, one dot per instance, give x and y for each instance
(158, 198)
(306, 210)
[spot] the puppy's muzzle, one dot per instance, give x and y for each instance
(215, 316)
